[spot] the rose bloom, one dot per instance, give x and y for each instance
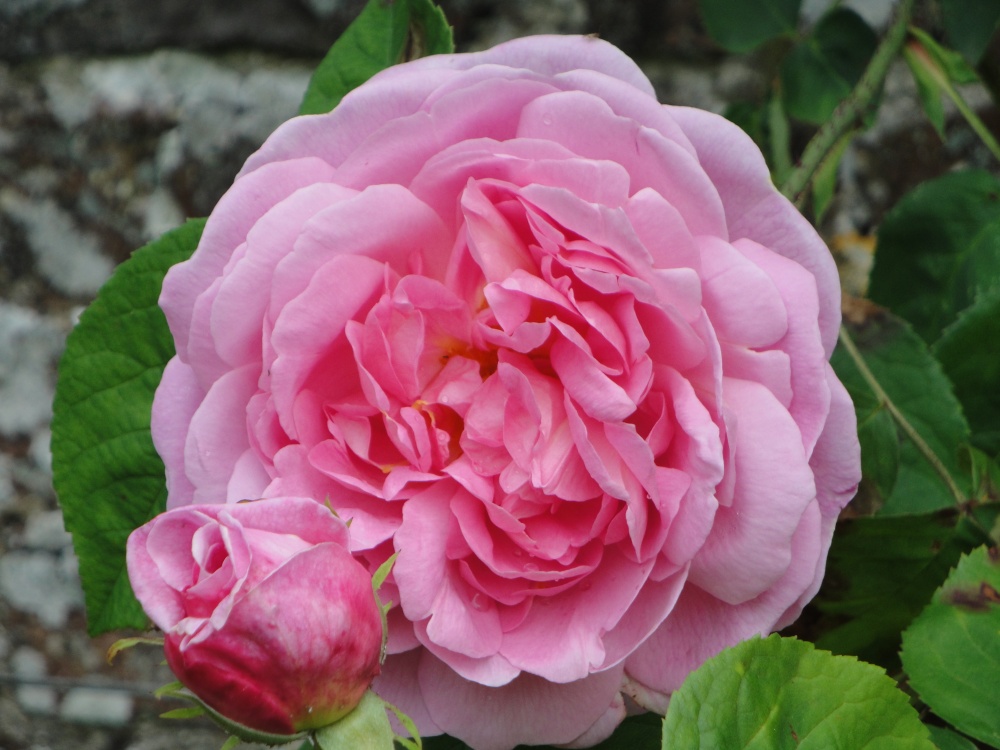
(266, 616)
(565, 349)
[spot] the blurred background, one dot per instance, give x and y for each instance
(120, 118)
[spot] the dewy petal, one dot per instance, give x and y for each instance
(528, 710)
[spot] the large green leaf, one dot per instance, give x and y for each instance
(823, 68)
(882, 571)
(741, 26)
(945, 739)
(969, 25)
(905, 370)
(938, 249)
(782, 693)
(385, 34)
(969, 354)
(107, 474)
(952, 650)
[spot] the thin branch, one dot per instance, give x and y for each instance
(932, 458)
(852, 108)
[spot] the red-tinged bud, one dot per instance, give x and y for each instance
(267, 617)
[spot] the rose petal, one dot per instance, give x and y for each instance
(528, 710)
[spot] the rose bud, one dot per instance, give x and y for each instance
(267, 617)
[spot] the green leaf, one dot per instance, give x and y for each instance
(915, 383)
(971, 360)
(935, 70)
(825, 181)
(929, 89)
(107, 475)
(365, 728)
(938, 249)
(882, 571)
(952, 650)
(945, 739)
(952, 64)
(741, 26)
(782, 693)
(969, 25)
(386, 33)
(879, 437)
(822, 69)
(985, 478)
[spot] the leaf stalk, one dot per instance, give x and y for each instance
(799, 180)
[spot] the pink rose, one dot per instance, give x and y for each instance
(266, 615)
(564, 348)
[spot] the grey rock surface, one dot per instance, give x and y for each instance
(41, 584)
(27, 380)
(96, 707)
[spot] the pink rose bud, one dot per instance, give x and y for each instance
(267, 617)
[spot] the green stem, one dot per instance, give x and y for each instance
(852, 350)
(974, 122)
(853, 107)
(916, 55)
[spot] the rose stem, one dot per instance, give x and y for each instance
(851, 348)
(796, 185)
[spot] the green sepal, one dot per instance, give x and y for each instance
(413, 742)
(193, 712)
(243, 732)
(367, 727)
(125, 643)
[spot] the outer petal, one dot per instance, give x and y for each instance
(701, 625)
(174, 404)
(750, 546)
(545, 55)
(237, 211)
(529, 710)
(757, 211)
